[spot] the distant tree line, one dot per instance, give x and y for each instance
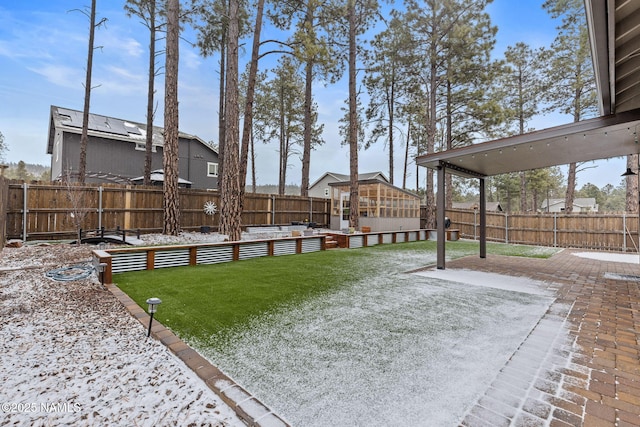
(505, 189)
(27, 172)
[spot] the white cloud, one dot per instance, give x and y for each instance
(60, 75)
(115, 44)
(190, 59)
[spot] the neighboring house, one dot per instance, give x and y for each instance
(587, 204)
(321, 188)
(382, 206)
(116, 150)
(491, 206)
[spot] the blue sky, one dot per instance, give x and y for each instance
(43, 48)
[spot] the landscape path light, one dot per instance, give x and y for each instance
(153, 307)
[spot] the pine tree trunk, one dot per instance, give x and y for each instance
(170, 150)
(221, 112)
(430, 201)
(354, 193)
(248, 108)
(431, 140)
(406, 157)
(253, 165)
(150, 92)
(571, 189)
(230, 216)
(448, 179)
(283, 145)
(390, 110)
(84, 137)
(306, 149)
(308, 104)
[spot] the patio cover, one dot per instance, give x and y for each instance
(614, 33)
(598, 138)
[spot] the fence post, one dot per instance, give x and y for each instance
(624, 231)
(4, 201)
(25, 212)
(127, 207)
(273, 209)
(555, 230)
(475, 224)
(506, 227)
(100, 207)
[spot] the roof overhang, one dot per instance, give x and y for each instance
(604, 137)
(614, 34)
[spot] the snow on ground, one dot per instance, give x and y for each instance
(488, 280)
(397, 349)
(610, 256)
(400, 349)
(72, 355)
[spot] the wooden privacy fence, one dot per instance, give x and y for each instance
(52, 210)
(4, 197)
(610, 231)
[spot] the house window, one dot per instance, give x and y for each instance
(142, 146)
(212, 169)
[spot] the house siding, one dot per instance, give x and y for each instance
(193, 160)
(111, 150)
(121, 159)
(319, 187)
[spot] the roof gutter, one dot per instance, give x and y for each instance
(601, 25)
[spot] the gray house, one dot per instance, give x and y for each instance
(321, 189)
(116, 150)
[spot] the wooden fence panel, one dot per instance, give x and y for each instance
(612, 231)
(4, 200)
(53, 209)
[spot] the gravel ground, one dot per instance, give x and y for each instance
(72, 355)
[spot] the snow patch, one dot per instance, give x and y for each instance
(610, 256)
(488, 280)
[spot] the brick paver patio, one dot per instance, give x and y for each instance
(580, 365)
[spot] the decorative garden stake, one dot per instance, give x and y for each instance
(209, 209)
(153, 306)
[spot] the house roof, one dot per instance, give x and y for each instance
(338, 177)
(107, 127)
(614, 32)
(373, 181)
(581, 202)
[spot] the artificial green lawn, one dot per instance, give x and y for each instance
(208, 301)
